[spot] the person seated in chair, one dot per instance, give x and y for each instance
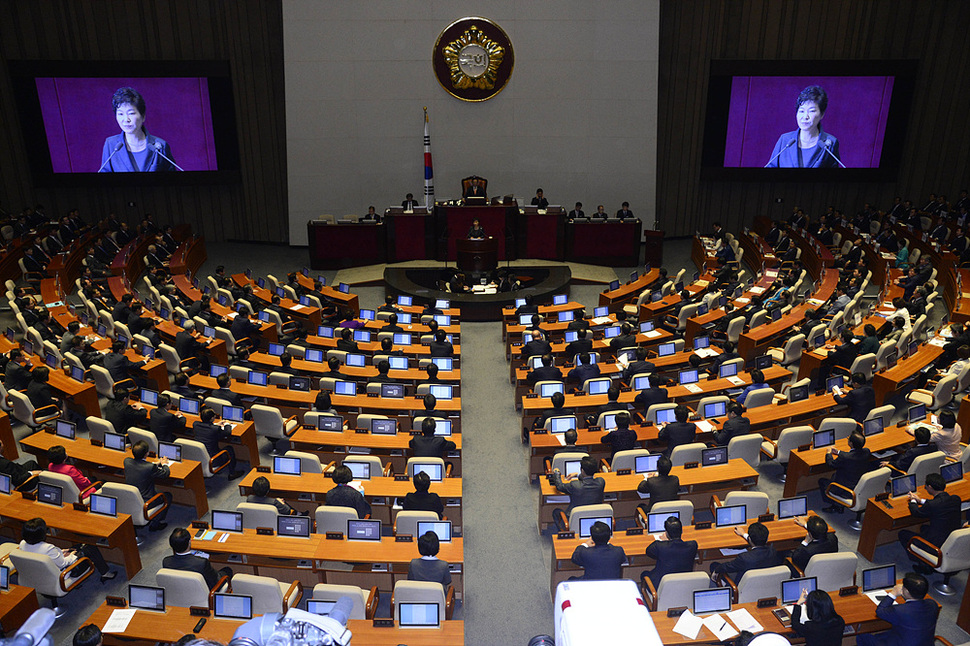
(622, 438)
(860, 400)
(34, 535)
(475, 190)
(260, 496)
(584, 370)
(211, 434)
(903, 461)
(671, 553)
(599, 560)
(679, 432)
(817, 540)
(429, 567)
(849, 467)
(661, 486)
(912, 623)
(758, 555)
(422, 499)
(942, 511)
(585, 489)
(429, 445)
(736, 425)
(57, 463)
(185, 559)
(142, 474)
(343, 495)
(163, 422)
(122, 414)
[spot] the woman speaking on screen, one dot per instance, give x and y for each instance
(809, 146)
(134, 150)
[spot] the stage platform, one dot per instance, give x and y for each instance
(539, 281)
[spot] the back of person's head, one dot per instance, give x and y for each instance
(546, 359)
(857, 440)
(600, 532)
(694, 361)
(333, 363)
(120, 393)
(285, 359)
(622, 420)
(581, 333)
(89, 635)
(673, 527)
(261, 486)
(222, 380)
(179, 540)
(323, 401)
(728, 347)
(571, 437)
(858, 379)
(164, 400)
(392, 319)
(421, 481)
(41, 374)
(342, 474)
(118, 347)
(817, 527)
(181, 379)
(870, 329)
(656, 381)
(847, 336)
(346, 333)
(626, 329)
(922, 435)
(73, 327)
(432, 370)
(428, 426)
(757, 377)
(819, 605)
(34, 531)
(664, 465)
(641, 353)
(558, 400)
(387, 345)
(584, 358)
(430, 402)
(440, 336)
(139, 449)
(681, 413)
(57, 454)
(936, 481)
(207, 415)
(613, 393)
(758, 534)
(383, 366)
(915, 584)
(428, 544)
(948, 419)
(588, 465)
(963, 352)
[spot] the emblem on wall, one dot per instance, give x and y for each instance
(473, 59)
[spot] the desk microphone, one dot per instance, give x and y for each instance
(827, 145)
(783, 149)
(117, 148)
(157, 147)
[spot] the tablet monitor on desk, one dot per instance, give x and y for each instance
(445, 364)
(775, 314)
(148, 396)
(435, 470)
(442, 304)
(77, 373)
(330, 423)
(535, 361)
(188, 406)
(903, 485)
(655, 522)
(443, 320)
(114, 441)
(102, 331)
(688, 377)
(917, 413)
(702, 342)
(64, 429)
(879, 578)
(727, 369)
(666, 349)
(305, 301)
(263, 316)
(362, 336)
(299, 383)
(442, 427)
(586, 524)
(952, 471)
(701, 310)
(296, 526)
(633, 276)
(276, 349)
(51, 360)
(646, 463)
(232, 606)
(4, 577)
(763, 362)
(609, 422)
(715, 409)
(441, 392)
(29, 347)
(611, 332)
(355, 360)
(170, 451)
(562, 424)
(209, 332)
(227, 521)
(383, 426)
(286, 466)
(729, 516)
(666, 416)
(913, 347)
(404, 301)
(819, 340)
(281, 292)
(233, 414)
(872, 426)
(360, 470)
(343, 288)
(50, 494)
(345, 388)
(891, 359)
(363, 530)
(402, 338)
(792, 507)
(566, 317)
(215, 370)
(519, 302)
(614, 285)
(325, 331)
(441, 529)
(104, 505)
(833, 382)
(319, 607)
(570, 467)
(393, 391)
(260, 282)
(646, 326)
(398, 363)
(367, 315)
(571, 335)
(5, 484)
(822, 439)
(146, 597)
(714, 456)
(641, 383)
(313, 356)
(679, 287)
(560, 299)
(792, 589)
(798, 393)
(601, 311)
(418, 615)
(710, 601)
(600, 386)
(257, 378)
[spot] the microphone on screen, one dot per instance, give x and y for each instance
(827, 146)
(783, 149)
(117, 148)
(157, 147)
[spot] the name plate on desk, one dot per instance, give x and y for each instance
(49, 430)
(594, 429)
(768, 602)
(403, 538)
(263, 469)
(28, 495)
(532, 395)
(401, 477)
(264, 531)
(881, 496)
(117, 602)
(803, 447)
(199, 611)
(373, 394)
(691, 465)
(200, 524)
(96, 442)
(360, 431)
(80, 506)
(634, 531)
(540, 431)
(383, 623)
(281, 386)
(335, 536)
(565, 535)
(414, 432)
(704, 524)
(624, 472)
(766, 518)
(849, 591)
(625, 389)
(676, 612)
(580, 393)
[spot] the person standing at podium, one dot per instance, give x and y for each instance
(476, 232)
(539, 200)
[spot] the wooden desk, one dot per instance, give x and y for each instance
(629, 292)
(116, 536)
(185, 480)
(309, 490)
(886, 383)
(16, 605)
(881, 524)
(621, 491)
(188, 256)
(150, 628)
(81, 396)
(6, 436)
(805, 467)
(346, 301)
(311, 315)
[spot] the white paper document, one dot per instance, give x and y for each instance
(877, 595)
(601, 320)
(652, 334)
(689, 625)
(744, 621)
(561, 437)
(729, 551)
(119, 620)
(720, 627)
(757, 290)
(737, 381)
(704, 426)
(694, 388)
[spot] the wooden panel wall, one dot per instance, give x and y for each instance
(935, 153)
(247, 33)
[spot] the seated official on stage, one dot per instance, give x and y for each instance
(474, 192)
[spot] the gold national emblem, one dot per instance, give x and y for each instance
(473, 59)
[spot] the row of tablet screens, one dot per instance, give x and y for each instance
(240, 606)
(361, 336)
(719, 599)
(301, 527)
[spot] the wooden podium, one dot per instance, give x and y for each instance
(477, 256)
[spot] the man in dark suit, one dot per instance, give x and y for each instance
(671, 553)
(735, 425)
(117, 364)
(475, 190)
(577, 212)
(343, 495)
(225, 392)
(612, 402)
(409, 203)
(142, 474)
(210, 434)
(759, 555)
(383, 368)
(625, 339)
(640, 365)
(537, 345)
(587, 489)
(661, 487)
(441, 347)
(580, 345)
(842, 356)
(19, 472)
(849, 467)
(677, 433)
(422, 499)
(941, 509)
(16, 375)
(392, 325)
(923, 447)
(183, 559)
(163, 422)
(545, 372)
(729, 354)
(346, 341)
(584, 370)
(243, 328)
(599, 560)
(122, 414)
(655, 394)
(429, 567)
(818, 540)
(622, 438)
(912, 623)
(428, 445)
(624, 211)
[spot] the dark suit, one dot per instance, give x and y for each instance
(943, 513)
(661, 489)
(677, 433)
(582, 372)
(671, 556)
(904, 461)
(347, 496)
(40, 394)
(120, 162)
(803, 553)
(578, 346)
(818, 633)
(544, 373)
(142, 475)
(429, 501)
(639, 367)
(19, 473)
(586, 490)
(433, 570)
(442, 349)
(789, 155)
(118, 365)
(123, 416)
(913, 623)
(187, 346)
(430, 447)
(732, 428)
(849, 467)
(620, 440)
(539, 347)
(755, 558)
(16, 376)
(165, 424)
(623, 341)
(347, 345)
(210, 435)
(193, 563)
(600, 562)
(226, 394)
(650, 396)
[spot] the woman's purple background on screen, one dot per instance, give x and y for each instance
(763, 108)
(78, 118)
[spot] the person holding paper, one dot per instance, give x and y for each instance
(824, 626)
